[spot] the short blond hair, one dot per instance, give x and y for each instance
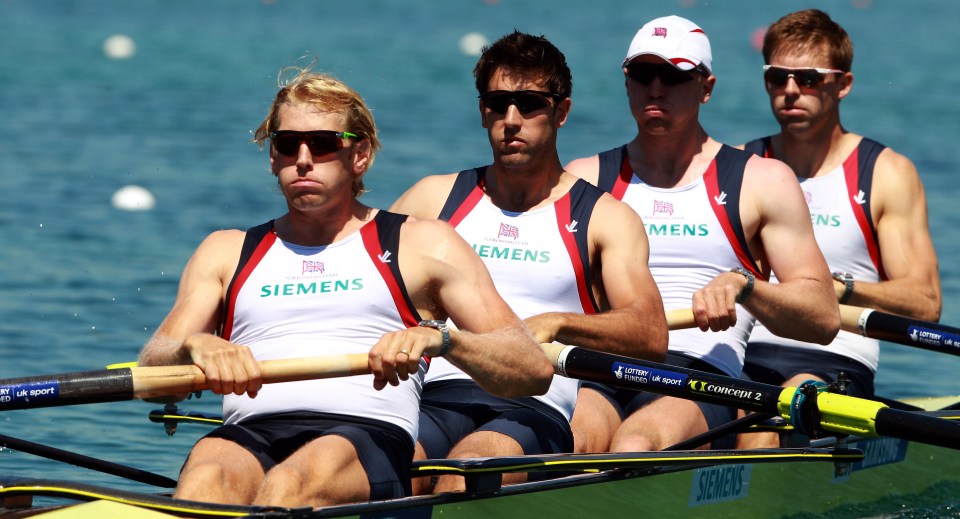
(327, 94)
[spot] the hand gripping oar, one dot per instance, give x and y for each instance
(114, 385)
(902, 330)
(835, 413)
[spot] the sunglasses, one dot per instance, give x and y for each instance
(526, 101)
(805, 77)
(644, 73)
(320, 142)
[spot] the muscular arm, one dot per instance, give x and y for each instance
(446, 278)
(634, 324)
(802, 305)
(185, 335)
(899, 207)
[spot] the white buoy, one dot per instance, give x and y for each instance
(119, 46)
(133, 198)
(472, 43)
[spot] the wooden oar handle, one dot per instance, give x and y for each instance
(680, 318)
(850, 318)
(155, 381)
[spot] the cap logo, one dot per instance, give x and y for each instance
(660, 31)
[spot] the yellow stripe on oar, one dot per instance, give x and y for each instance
(121, 365)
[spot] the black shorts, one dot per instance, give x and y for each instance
(450, 410)
(385, 450)
(628, 401)
(774, 364)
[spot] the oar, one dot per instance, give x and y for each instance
(114, 385)
(836, 413)
(901, 330)
(86, 462)
(680, 318)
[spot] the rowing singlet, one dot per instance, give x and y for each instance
(290, 301)
(839, 205)
(695, 234)
(538, 261)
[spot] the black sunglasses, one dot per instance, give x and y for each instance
(320, 142)
(525, 100)
(669, 75)
(805, 77)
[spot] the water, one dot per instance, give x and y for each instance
(85, 285)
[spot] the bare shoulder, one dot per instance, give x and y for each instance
(766, 175)
(892, 167)
(612, 212)
(428, 237)
(425, 199)
(224, 244)
(587, 168)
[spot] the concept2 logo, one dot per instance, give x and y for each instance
(726, 392)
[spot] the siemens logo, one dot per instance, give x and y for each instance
(677, 229)
(302, 289)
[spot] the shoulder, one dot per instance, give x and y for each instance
(767, 171)
(223, 241)
(587, 168)
(425, 199)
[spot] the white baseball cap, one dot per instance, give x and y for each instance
(675, 39)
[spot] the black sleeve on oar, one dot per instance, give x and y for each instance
(911, 332)
(664, 379)
(84, 387)
(918, 427)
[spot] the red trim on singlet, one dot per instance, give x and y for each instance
(851, 176)
(468, 204)
(623, 179)
(371, 242)
(562, 210)
(258, 254)
(713, 192)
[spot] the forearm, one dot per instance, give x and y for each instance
(507, 362)
(907, 297)
(802, 309)
(619, 332)
(163, 350)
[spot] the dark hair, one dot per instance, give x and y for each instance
(525, 54)
(809, 31)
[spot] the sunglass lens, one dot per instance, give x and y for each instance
(320, 143)
(804, 77)
(525, 102)
(644, 73)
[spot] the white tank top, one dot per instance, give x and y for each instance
(688, 248)
(314, 301)
(532, 271)
(844, 247)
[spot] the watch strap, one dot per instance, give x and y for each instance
(751, 279)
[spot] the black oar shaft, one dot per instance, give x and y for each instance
(902, 330)
(87, 387)
(86, 462)
(918, 427)
(668, 380)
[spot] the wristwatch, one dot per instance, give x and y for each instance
(444, 333)
(847, 279)
(742, 296)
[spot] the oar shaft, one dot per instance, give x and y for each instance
(902, 330)
(114, 385)
(917, 427)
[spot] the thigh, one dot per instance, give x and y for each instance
(595, 420)
(659, 424)
(221, 471)
(325, 471)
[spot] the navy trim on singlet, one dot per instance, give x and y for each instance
(388, 233)
(867, 152)
(468, 189)
(251, 241)
(730, 164)
(467, 182)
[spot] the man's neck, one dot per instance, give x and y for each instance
(521, 190)
(813, 153)
(672, 160)
(322, 227)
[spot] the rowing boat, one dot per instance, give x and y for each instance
(872, 455)
(822, 478)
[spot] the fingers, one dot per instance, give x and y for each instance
(396, 356)
(227, 367)
(714, 306)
